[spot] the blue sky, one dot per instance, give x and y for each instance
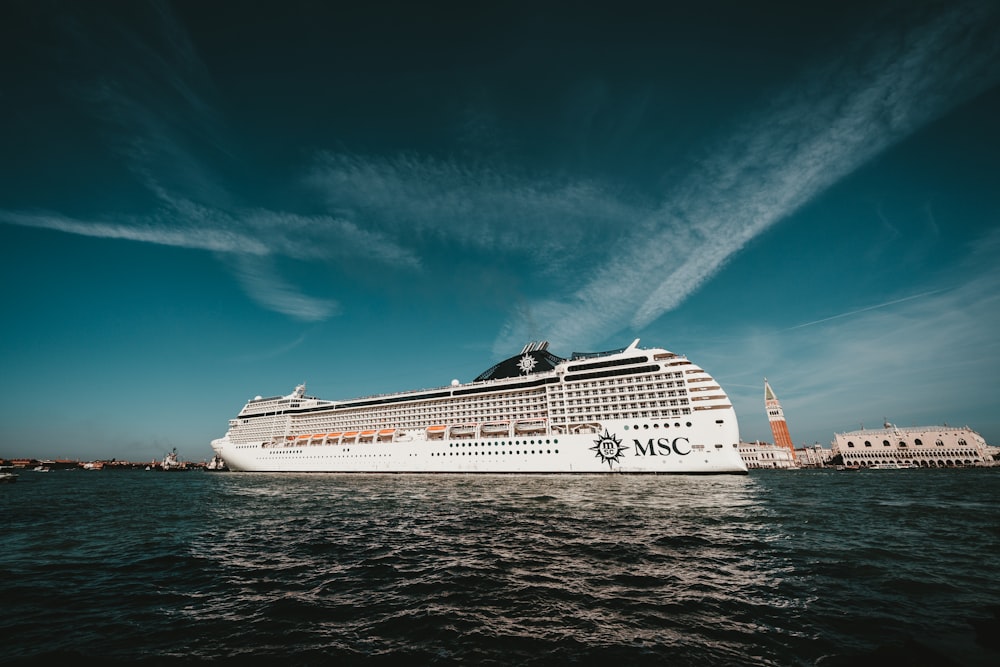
(201, 202)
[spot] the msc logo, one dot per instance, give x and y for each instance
(663, 447)
(609, 448)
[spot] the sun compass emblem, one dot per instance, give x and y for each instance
(526, 363)
(609, 448)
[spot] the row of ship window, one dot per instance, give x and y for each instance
(496, 452)
(501, 443)
(667, 425)
(286, 452)
(535, 397)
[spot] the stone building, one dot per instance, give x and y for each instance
(765, 455)
(925, 446)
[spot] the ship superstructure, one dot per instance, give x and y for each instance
(631, 410)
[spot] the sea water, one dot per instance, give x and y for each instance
(774, 568)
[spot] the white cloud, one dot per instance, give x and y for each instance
(267, 288)
(216, 240)
(924, 359)
(881, 91)
(533, 215)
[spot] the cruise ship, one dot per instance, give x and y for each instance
(633, 410)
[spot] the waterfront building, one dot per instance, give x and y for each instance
(815, 456)
(760, 454)
(776, 416)
(916, 446)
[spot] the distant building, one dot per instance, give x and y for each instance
(776, 416)
(815, 456)
(926, 446)
(765, 455)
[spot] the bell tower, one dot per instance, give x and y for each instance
(779, 427)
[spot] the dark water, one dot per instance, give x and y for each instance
(776, 568)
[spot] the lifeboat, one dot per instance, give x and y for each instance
(462, 430)
(333, 438)
(385, 434)
(349, 437)
(366, 436)
(495, 428)
(530, 426)
(436, 431)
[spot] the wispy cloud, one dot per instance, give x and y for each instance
(271, 291)
(883, 88)
(154, 95)
(479, 206)
(249, 241)
(933, 356)
(216, 240)
(159, 101)
(863, 310)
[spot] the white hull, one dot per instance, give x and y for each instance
(402, 433)
(643, 451)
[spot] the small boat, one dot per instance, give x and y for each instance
(462, 430)
(42, 469)
(530, 426)
(8, 477)
(171, 463)
(216, 465)
(495, 428)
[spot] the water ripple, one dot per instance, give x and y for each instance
(777, 568)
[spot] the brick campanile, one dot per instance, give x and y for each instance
(779, 427)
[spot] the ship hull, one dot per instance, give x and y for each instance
(653, 450)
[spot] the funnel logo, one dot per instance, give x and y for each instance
(609, 448)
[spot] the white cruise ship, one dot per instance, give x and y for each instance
(632, 410)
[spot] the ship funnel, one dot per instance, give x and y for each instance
(536, 346)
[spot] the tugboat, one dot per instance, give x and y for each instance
(172, 464)
(216, 465)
